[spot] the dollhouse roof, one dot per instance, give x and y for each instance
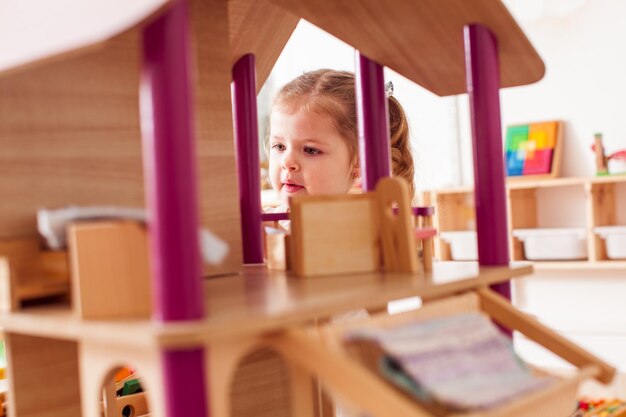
(423, 39)
(420, 39)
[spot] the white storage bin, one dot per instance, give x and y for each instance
(463, 245)
(615, 240)
(555, 244)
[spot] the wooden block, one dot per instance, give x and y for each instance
(396, 226)
(334, 234)
(131, 387)
(43, 376)
(136, 402)
(110, 272)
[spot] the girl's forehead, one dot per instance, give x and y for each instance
(300, 120)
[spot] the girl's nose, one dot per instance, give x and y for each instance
(290, 162)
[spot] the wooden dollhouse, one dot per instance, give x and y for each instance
(128, 103)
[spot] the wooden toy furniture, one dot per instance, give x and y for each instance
(354, 233)
(277, 248)
(28, 274)
(129, 103)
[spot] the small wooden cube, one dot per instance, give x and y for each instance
(335, 234)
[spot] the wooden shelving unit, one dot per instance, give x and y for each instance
(595, 202)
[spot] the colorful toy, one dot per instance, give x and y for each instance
(533, 149)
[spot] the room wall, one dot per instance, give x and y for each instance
(584, 84)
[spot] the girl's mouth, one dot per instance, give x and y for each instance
(292, 188)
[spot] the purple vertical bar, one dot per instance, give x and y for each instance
(170, 182)
(248, 167)
(483, 86)
(373, 117)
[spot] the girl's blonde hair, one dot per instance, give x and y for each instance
(333, 93)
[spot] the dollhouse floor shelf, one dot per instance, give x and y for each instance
(259, 301)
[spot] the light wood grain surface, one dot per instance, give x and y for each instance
(261, 28)
(423, 39)
(43, 376)
(260, 301)
(69, 133)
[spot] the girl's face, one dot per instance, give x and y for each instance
(307, 155)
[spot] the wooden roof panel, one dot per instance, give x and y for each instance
(261, 28)
(423, 39)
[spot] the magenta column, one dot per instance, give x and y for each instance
(373, 118)
(248, 167)
(483, 86)
(170, 184)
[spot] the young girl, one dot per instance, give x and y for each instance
(313, 136)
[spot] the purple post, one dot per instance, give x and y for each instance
(483, 86)
(373, 117)
(248, 166)
(170, 183)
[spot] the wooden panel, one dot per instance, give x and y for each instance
(69, 134)
(261, 386)
(218, 193)
(423, 39)
(43, 377)
(601, 211)
(110, 272)
(75, 27)
(523, 208)
(261, 28)
(603, 204)
(100, 361)
(455, 211)
(397, 231)
(335, 234)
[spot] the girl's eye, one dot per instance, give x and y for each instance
(311, 151)
(278, 146)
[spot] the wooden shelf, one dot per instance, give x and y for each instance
(580, 265)
(545, 183)
(260, 301)
(521, 183)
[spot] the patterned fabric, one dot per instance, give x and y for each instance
(460, 363)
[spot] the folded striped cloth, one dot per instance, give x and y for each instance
(457, 363)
